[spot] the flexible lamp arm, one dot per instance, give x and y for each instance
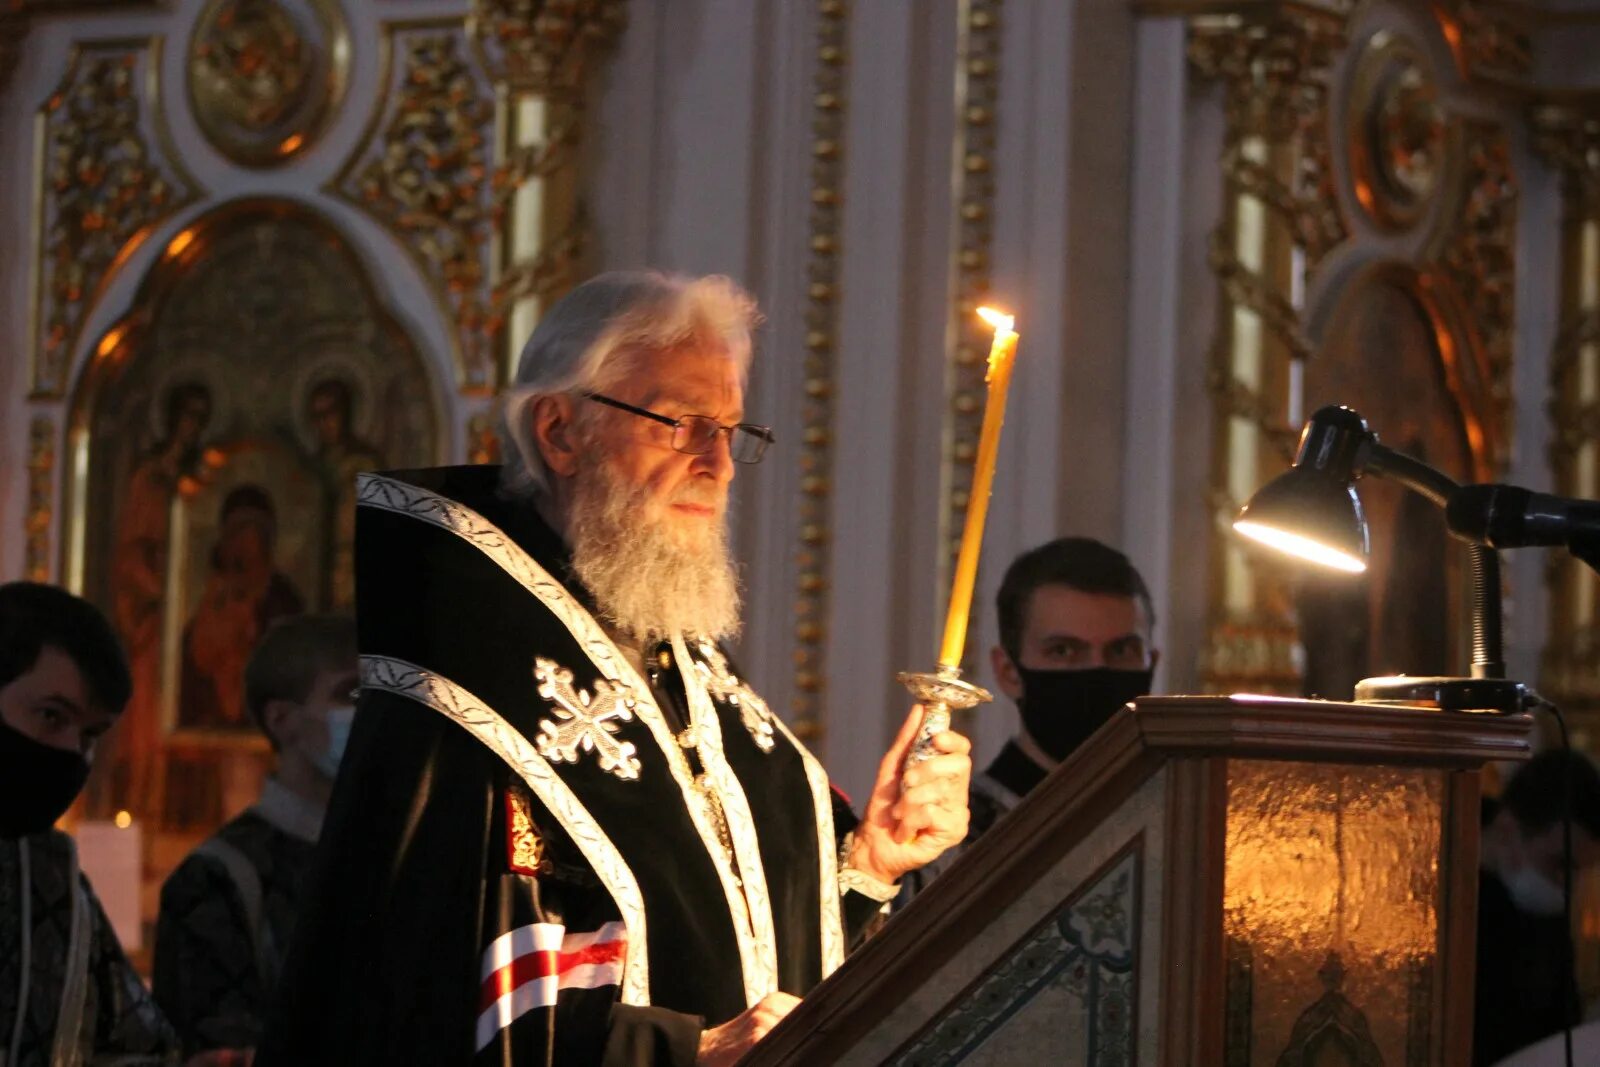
(1483, 564)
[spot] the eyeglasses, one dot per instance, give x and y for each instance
(696, 435)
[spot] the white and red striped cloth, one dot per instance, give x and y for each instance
(525, 968)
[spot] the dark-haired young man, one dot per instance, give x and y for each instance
(1524, 945)
(67, 991)
(228, 911)
(1076, 622)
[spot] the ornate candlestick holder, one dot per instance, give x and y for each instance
(939, 693)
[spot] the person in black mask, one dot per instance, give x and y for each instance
(67, 991)
(1076, 624)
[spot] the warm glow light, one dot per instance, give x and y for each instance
(1301, 547)
(123, 820)
(1001, 322)
(109, 343)
(291, 143)
(183, 240)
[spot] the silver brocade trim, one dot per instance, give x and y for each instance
(722, 683)
(833, 946)
(460, 706)
(736, 808)
(759, 969)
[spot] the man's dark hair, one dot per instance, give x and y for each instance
(34, 617)
(289, 657)
(1080, 563)
(1536, 794)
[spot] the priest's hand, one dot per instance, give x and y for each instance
(913, 817)
(725, 1045)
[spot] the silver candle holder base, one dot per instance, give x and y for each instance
(939, 693)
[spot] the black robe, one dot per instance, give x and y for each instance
(518, 866)
(220, 942)
(79, 999)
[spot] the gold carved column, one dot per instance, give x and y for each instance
(1568, 136)
(829, 82)
(1278, 219)
(538, 53)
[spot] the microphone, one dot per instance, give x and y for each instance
(1508, 516)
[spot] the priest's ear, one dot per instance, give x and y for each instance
(554, 433)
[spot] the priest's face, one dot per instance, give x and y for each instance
(686, 494)
(647, 523)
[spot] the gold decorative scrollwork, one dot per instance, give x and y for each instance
(1479, 259)
(102, 188)
(1486, 39)
(1281, 217)
(816, 441)
(41, 494)
(1567, 136)
(544, 46)
(977, 100)
(423, 171)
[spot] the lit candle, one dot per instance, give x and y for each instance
(1001, 356)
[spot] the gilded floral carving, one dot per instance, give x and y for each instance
(41, 493)
(103, 187)
(1480, 258)
(544, 46)
(424, 172)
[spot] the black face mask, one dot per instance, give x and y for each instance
(1062, 708)
(38, 783)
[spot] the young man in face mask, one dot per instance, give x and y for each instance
(1075, 622)
(228, 911)
(67, 991)
(1523, 940)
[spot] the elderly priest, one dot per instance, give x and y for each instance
(567, 830)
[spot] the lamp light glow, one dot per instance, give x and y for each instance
(1293, 544)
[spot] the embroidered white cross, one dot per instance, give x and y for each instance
(584, 723)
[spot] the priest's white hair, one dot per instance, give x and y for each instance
(594, 337)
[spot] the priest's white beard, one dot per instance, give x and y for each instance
(653, 574)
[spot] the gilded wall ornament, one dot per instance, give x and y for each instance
(1479, 258)
(1280, 218)
(1487, 38)
(544, 46)
(1397, 133)
(977, 101)
(103, 185)
(265, 76)
(423, 171)
(829, 79)
(41, 497)
(1567, 137)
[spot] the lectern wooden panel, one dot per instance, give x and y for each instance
(1250, 882)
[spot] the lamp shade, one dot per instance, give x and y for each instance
(1311, 511)
(1308, 515)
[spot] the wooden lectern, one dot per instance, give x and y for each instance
(1208, 881)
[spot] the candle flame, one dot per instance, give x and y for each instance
(1001, 322)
